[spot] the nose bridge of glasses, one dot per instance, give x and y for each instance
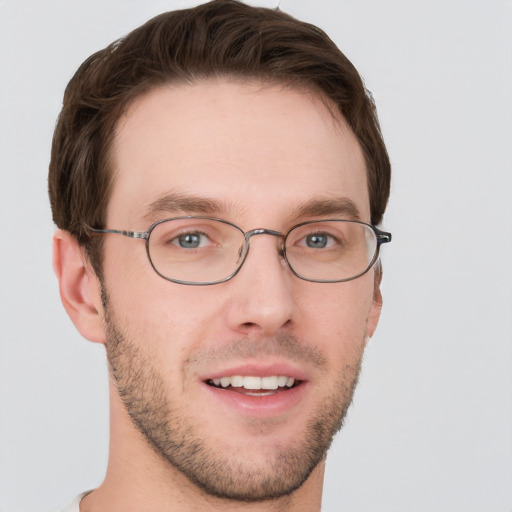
(263, 231)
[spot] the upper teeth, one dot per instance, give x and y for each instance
(250, 382)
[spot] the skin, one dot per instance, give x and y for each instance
(261, 152)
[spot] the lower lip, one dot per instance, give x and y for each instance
(268, 405)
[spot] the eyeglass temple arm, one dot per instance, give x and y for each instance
(383, 237)
(130, 234)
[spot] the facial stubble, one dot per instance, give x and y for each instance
(171, 433)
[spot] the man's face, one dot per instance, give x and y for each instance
(257, 156)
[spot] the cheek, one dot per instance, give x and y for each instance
(337, 313)
(168, 319)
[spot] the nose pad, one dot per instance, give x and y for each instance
(241, 254)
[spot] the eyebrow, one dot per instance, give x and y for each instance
(183, 204)
(339, 206)
(171, 204)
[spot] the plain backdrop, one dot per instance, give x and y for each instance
(431, 425)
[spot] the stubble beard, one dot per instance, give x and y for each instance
(178, 441)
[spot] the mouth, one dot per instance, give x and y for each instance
(251, 385)
(258, 390)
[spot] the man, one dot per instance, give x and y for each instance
(216, 178)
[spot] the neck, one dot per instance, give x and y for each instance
(139, 480)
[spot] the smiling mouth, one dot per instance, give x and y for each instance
(255, 386)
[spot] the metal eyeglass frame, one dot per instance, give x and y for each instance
(382, 237)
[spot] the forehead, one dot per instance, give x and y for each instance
(251, 148)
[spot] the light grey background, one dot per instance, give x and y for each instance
(431, 425)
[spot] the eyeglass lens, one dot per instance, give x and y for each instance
(195, 250)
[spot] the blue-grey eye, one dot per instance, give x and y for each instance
(190, 240)
(317, 241)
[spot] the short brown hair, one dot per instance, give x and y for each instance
(220, 38)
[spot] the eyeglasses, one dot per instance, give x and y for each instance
(205, 250)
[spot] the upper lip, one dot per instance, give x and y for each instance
(257, 370)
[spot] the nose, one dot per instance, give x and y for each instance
(262, 299)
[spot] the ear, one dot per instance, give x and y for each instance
(79, 287)
(376, 305)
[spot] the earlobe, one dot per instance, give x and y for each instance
(79, 287)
